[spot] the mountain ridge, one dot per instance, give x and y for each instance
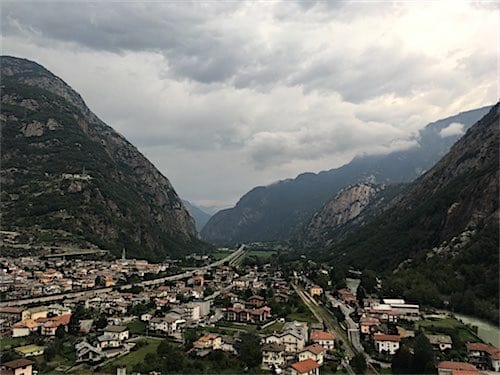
(122, 201)
(278, 211)
(438, 241)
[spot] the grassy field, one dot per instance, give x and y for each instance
(134, 357)
(277, 326)
(265, 254)
(438, 325)
(219, 254)
(8, 342)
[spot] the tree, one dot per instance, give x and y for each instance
(359, 363)
(190, 335)
(249, 350)
(74, 321)
(423, 357)
(360, 295)
(49, 353)
(60, 332)
(402, 362)
(102, 322)
(369, 281)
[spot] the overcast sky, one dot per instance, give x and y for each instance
(225, 96)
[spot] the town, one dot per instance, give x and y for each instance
(234, 310)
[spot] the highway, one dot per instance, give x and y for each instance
(233, 257)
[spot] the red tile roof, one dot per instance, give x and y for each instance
(479, 346)
(321, 335)
(315, 349)
(383, 337)
(17, 363)
(369, 321)
(303, 367)
(457, 366)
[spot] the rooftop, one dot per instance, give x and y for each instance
(321, 335)
(303, 367)
(18, 363)
(384, 337)
(316, 349)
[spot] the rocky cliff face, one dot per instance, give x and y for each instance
(67, 177)
(346, 205)
(437, 242)
(458, 197)
(279, 211)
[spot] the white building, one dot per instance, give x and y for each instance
(387, 343)
(315, 352)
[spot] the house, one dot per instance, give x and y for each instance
(113, 337)
(49, 326)
(483, 356)
(35, 313)
(346, 296)
(387, 343)
(146, 317)
(315, 290)
(169, 324)
(211, 341)
(17, 367)
(239, 314)
(11, 313)
(456, 368)
(325, 339)
(256, 301)
(29, 350)
(85, 352)
(228, 344)
(293, 340)
(440, 342)
(273, 355)
(307, 367)
(383, 313)
(24, 328)
(107, 341)
(368, 325)
(119, 332)
(315, 352)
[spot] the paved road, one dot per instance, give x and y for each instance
(352, 326)
(89, 293)
(353, 329)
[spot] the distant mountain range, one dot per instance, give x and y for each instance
(68, 179)
(200, 216)
(279, 212)
(437, 241)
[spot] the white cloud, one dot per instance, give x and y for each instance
(226, 96)
(455, 128)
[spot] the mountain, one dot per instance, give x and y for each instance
(279, 211)
(69, 179)
(438, 241)
(347, 210)
(200, 216)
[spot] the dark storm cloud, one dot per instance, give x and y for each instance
(244, 93)
(197, 48)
